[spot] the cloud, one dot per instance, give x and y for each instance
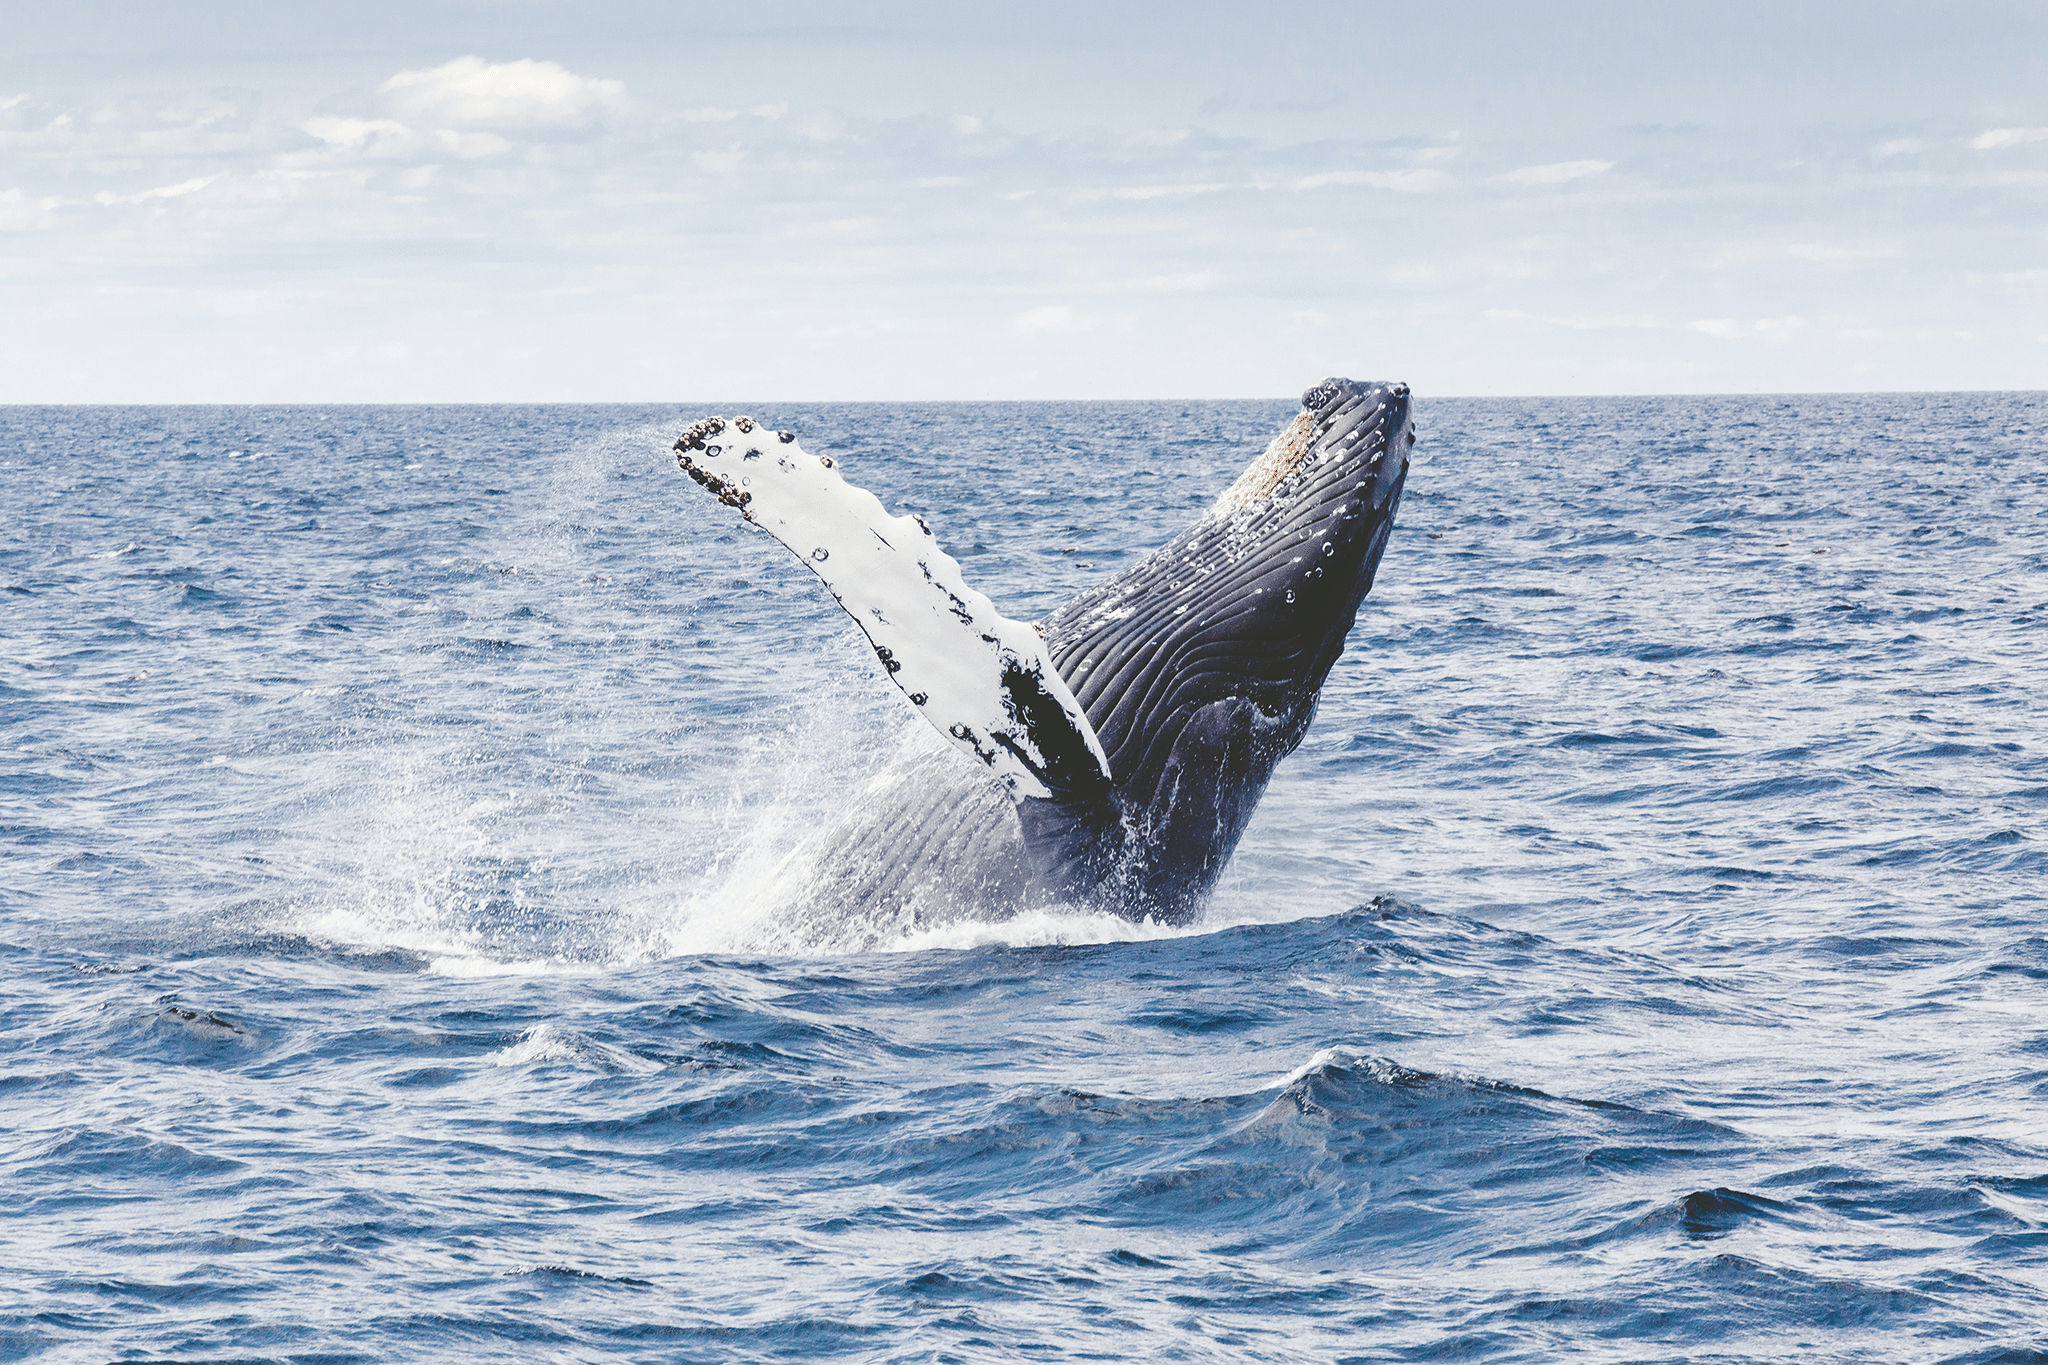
(1558, 172)
(1515, 267)
(177, 191)
(472, 146)
(27, 125)
(821, 127)
(1826, 253)
(1425, 155)
(966, 125)
(1771, 331)
(1164, 191)
(767, 111)
(1608, 323)
(1901, 146)
(527, 95)
(1208, 234)
(830, 228)
(19, 213)
(381, 137)
(354, 134)
(1189, 282)
(1582, 322)
(1404, 182)
(1991, 139)
(1812, 253)
(1058, 320)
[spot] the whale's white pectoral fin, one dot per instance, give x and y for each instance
(984, 681)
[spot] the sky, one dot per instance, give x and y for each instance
(520, 200)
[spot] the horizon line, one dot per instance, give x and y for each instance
(879, 402)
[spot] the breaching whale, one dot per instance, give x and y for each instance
(1108, 757)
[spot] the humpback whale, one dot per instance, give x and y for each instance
(1108, 757)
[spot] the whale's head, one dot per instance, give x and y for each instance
(1200, 668)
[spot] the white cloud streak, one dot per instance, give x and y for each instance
(1192, 281)
(1142, 192)
(1415, 181)
(1832, 254)
(470, 92)
(1581, 322)
(177, 191)
(20, 213)
(1054, 320)
(1996, 139)
(1768, 331)
(1828, 253)
(1558, 172)
(765, 111)
(353, 134)
(1057, 320)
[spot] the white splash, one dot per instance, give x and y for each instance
(545, 1044)
(1346, 1058)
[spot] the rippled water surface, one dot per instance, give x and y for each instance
(1643, 958)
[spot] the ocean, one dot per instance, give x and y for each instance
(1643, 957)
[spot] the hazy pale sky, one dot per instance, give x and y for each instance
(630, 201)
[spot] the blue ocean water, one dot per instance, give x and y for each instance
(1642, 959)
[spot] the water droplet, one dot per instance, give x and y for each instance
(821, 554)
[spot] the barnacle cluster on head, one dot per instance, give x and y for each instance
(1281, 458)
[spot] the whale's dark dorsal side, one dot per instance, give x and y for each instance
(1113, 754)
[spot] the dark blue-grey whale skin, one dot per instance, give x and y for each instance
(1199, 669)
